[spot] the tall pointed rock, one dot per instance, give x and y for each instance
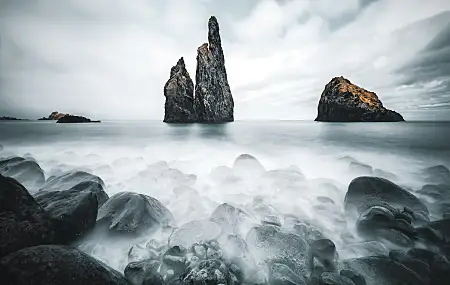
(213, 100)
(179, 93)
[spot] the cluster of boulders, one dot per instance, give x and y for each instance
(398, 239)
(213, 101)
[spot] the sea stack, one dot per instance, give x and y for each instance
(213, 101)
(179, 93)
(342, 101)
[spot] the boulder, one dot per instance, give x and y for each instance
(247, 165)
(194, 232)
(132, 213)
(342, 101)
(213, 101)
(55, 265)
(23, 223)
(94, 187)
(231, 219)
(74, 213)
(70, 179)
(273, 244)
(381, 271)
(137, 272)
(26, 171)
(332, 278)
(211, 271)
(365, 192)
(179, 93)
(280, 274)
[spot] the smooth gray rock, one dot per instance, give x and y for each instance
(26, 171)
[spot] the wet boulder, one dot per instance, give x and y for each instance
(381, 271)
(23, 223)
(94, 187)
(324, 251)
(230, 218)
(132, 213)
(74, 213)
(194, 232)
(25, 170)
(175, 259)
(211, 271)
(55, 265)
(137, 272)
(280, 274)
(365, 192)
(67, 180)
(439, 264)
(356, 278)
(360, 168)
(139, 253)
(273, 244)
(438, 174)
(289, 178)
(332, 278)
(361, 249)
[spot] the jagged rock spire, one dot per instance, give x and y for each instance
(179, 93)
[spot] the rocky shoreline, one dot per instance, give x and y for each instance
(47, 229)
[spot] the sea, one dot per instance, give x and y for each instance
(135, 156)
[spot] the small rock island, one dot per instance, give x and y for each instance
(75, 119)
(342, 101)
(213, 101)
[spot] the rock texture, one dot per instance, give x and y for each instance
(342, 101)
(213, 99)
(179, 93)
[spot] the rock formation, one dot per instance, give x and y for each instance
(179, 93)
(53, 116)
(75, 119)
(213, 99)
(342, 101)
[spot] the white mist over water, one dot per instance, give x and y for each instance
(190, 168)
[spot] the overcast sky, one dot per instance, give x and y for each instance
(109, 59)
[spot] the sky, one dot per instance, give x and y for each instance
(110, 59)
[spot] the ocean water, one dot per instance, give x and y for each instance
(154, 158)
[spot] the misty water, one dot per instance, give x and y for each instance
(189, 168)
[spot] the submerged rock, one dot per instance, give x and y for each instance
(26, 171)
(193, 232)
(230, 218)
(342, 101)
(179, 93)
(55, 265)
(137, 272)
(132, 213)
(211, 271)
(74, 213)
(213, 101)
(23, 223)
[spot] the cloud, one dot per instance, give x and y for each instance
(109, 59)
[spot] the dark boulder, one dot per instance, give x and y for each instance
(179, 93)
(132, 213)
(213, 101)
(438, 174)
(382, 271)
(70, 179)
(56, 265)
(342, 101)
(67, 119)
(365, 192)
(439, 264)
(94, 187)
(357, 278)
(23, 223)
(74, 213)
(324, 251)
(137, 272)
(26, 171)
